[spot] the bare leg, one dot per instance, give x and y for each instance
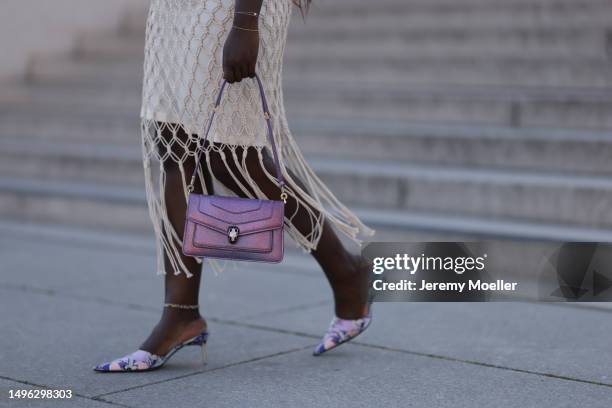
(177, 325)
(344, 271)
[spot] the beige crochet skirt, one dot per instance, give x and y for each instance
(182, 74)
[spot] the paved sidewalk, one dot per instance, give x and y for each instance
(68, 301)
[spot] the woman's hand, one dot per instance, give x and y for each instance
(240, 52)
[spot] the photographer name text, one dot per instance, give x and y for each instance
(460, 287)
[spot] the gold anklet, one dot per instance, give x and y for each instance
(245, 29)
(177, 306)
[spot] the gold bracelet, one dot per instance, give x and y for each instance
(245, 29)
(246, 13)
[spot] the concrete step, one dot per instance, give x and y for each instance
(488, 193)
(380, 90)
(54, 128)
(535, 149)
(437, 109)
(92, 163)
(450, 5)
(376, 98)
(86, 205)
(58, 96)
(454, 15)
(442, 4)
(501, 105)
(124, 209)
(560, 198)
(536, 44)
(396, 37)
(459, 70)
(68, 70)
(422, 13)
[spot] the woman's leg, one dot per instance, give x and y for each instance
(344, 271)
(177, 324)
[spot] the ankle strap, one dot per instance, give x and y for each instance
(177, 306)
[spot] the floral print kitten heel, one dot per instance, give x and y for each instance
(142, 360)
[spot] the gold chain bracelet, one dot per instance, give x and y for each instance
(247, 13)
(245, 29)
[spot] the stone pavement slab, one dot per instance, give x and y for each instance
(545, 338)
(72, 306)
(107, 274)
(54, 340)
(365, 377)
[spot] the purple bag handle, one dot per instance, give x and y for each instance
(266, 113)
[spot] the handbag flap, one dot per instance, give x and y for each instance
(249, 215)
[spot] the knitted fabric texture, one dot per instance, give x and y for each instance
(182, 74)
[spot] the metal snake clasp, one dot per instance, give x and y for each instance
(232, 234)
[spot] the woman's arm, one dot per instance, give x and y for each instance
(242, 44)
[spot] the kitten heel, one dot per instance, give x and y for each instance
(142, 360)
(204, 354)
(201, 341)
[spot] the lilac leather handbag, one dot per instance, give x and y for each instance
(231, 227)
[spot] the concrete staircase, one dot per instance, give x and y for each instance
(433, 118)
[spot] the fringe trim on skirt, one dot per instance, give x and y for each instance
(316, 199)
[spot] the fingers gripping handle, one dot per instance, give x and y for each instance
(268, 119)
